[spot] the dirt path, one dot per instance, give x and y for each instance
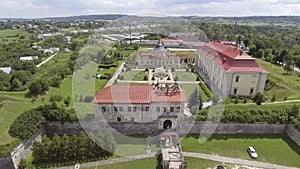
(45, 61)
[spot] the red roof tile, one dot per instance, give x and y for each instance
(232, 59)
(136, 94)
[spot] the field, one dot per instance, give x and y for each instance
(185, 76)
(283, 85)
(277, 149)
(8, 36)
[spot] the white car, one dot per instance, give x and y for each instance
(252, 152)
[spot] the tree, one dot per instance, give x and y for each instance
(288, 65)
(38, 88)
(4, 81)
(258, 98)
(293, 113)
(246, 42)
(259, 53)
(67, 101)
(15, 84)
(195, 102)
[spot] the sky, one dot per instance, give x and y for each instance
(50, 8)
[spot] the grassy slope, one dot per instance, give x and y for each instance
(278, 149)
(5, 33)
(284, 85)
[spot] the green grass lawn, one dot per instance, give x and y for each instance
(282, 85)
(235, 107)
(185, 76)
(7, 36)
(189, 88)
(277, 149)
(134, 75)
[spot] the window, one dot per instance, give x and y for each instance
(115, 109)
(157, 109)
(237, 78)
(142, 62)
(131, 119)
(118, 119)
(178, 109)
(164, 109)
(129, 109)
(253, 79)
(134, 109)
(103, 109)
(251, 91)
(120, 109)
(171, 109)
(235, 91)
(147, 109)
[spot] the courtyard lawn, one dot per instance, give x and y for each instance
(185, 76)
(283, 85)
(134, 75)
(189, 88)
(277, 149)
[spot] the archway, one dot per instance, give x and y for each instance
(167, 124)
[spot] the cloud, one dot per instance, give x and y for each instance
(44, 8)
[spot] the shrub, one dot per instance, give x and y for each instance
(55, 98)
(26, 124)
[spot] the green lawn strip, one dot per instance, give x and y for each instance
(284, 85)
(268, 107)
(277, 149)
(189, 88)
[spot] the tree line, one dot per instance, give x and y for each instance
(73, 148)
(30, 122)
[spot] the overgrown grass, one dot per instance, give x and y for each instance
(189, 88)
(281, 84)
(277, 149)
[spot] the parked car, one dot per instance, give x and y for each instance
(252, 152)
(220, 167)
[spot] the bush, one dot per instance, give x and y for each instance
(26, 124)
(55, 98)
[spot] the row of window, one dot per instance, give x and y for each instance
(167, 62)
(146, 109)
(235, 90)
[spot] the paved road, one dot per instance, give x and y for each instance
(235, 161)
(115, 76)
(111, 161)
(45, 61)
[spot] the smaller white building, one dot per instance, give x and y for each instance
(6, 70)
(28, 58)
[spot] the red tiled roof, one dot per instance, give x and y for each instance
(136, 94)
(232, 59)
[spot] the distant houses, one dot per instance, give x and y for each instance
(28, 58)
(6, 70)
